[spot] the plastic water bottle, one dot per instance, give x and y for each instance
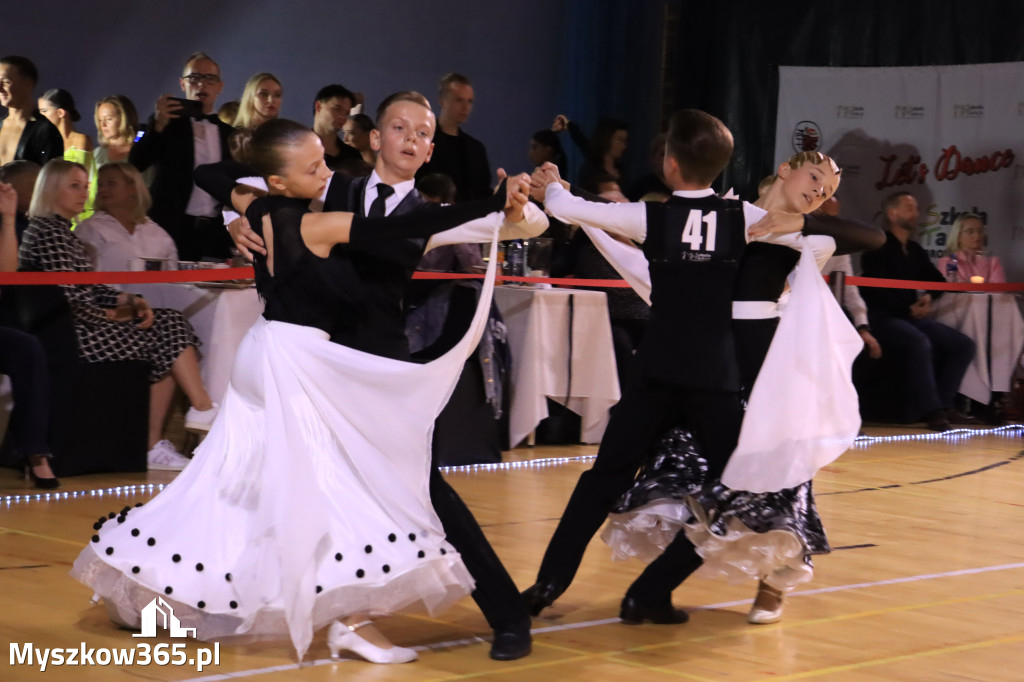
(515, 257)
(952, 268)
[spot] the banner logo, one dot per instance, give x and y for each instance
(158, 607)
(807, 137)
(968, 110)
(849, 111)
(908, 111)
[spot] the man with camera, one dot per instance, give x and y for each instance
(183, 133)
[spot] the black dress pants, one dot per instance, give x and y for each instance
(646, 410)
(22, 359)
(496, 594)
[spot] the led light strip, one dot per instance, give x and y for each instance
(955, 435)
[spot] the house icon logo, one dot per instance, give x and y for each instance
(158, 608)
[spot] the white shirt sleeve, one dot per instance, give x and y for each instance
(626, 220)
(852, 300)
(482, 229)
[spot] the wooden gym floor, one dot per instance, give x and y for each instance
(926, 582)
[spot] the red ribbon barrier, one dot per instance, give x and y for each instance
(222, 274)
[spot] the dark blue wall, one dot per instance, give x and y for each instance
(512, 52)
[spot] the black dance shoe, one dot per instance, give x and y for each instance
(511, 643)
(539, 596)
(38, 481)
(634, 613)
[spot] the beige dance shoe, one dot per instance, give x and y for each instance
(759, 615)
(344, 637)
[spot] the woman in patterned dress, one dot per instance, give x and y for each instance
(112, 325)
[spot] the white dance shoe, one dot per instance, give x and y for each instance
(344, 637)
(763, 616)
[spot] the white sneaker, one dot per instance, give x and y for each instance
(200, 420)
(165, 457)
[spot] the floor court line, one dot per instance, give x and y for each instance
(707, 607)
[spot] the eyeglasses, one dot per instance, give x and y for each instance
(197, 78)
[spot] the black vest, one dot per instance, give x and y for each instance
(693, 248)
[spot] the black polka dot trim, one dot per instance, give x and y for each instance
(319, 589)
(369, 549)
(337, 557)
(95, 538)
(386, 568)
(412, 537)
(443, 551)
(199, 567)
(201, 605)
(360, 573)
(176, 558)
(97, 525)
(111, 515)
(421, 554)
(151, 542)
(135, 569)
(228, 578)
(168, 589)
(110, 550)
(392, 537)
(138, 504)
(122, 519)
(233, 604)
(135, 532)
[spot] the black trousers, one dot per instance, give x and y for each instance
(22, 359)
(496, 594)
(198, 237)
(646, 410)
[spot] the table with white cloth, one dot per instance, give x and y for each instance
(221, 317)
(994, 323)
(549, 362)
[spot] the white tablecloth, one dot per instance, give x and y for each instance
(970, 313)
(538, 328)
(221, 317)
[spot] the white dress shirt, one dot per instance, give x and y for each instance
(110, 246)
(206, 140)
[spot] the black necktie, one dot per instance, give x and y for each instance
(377, 209)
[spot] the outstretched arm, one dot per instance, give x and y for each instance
(851, 236)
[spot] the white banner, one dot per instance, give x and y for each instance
(953, 136)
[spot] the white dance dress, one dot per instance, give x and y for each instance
(308, 499)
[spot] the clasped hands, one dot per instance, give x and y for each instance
(133, 309)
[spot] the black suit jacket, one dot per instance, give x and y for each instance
(375, 322)
(172, 152)
(39, 142)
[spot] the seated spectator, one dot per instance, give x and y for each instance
(652, 187)
(117, 124)
(174, 145)
(603, 151)
(58, 106)
(22, 176)
(23, 360)
(937, 356)
(24, 132)
(357, 135)
(966, 251)
(545, 147)
(440, 189)
(228, 111)
(330, 114)
(112, 325)
(120, 230)
(260, 102)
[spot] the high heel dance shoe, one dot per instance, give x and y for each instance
(759, 615)
(43, 483)
(341, 636)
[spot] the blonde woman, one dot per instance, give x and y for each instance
(120, 231)
(261, 101)
(112, 325)
(966, 249)
(117, 122)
